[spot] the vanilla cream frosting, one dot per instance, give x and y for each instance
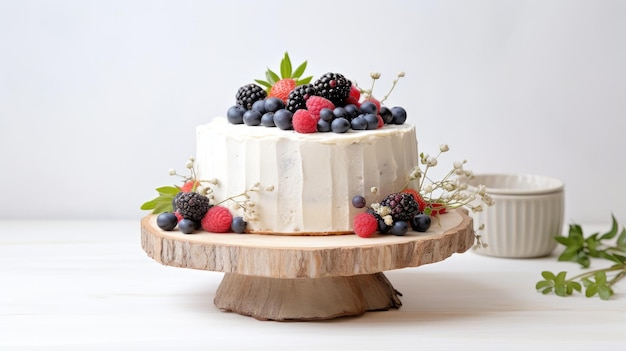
(314, 176)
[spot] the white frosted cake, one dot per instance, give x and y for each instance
(313, 176)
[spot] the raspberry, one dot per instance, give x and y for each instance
(316, 103)
(217, 220)
(355, 93)
(381, 122)
(304, 122)
(365, 224)
(189, 186)
(418, 198)
(178, 216)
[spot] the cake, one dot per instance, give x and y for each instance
(294, 156)
(314, 176)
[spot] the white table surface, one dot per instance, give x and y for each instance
(72, 285)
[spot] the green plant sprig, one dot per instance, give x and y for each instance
(582, 250)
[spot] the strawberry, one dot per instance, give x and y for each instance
(189, 186)
(282, 88)
(217, 220)
(438, 209)
(365, 224)
(355, 93)
(316, 103)
(304, 122)
(281, 85)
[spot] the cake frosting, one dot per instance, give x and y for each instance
(314, 176)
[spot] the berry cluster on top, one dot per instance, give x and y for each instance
(329, 104)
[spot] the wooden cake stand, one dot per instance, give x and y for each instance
(284, 278)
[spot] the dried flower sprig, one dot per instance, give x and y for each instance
(453, 190)
(367, 93)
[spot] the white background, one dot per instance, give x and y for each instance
(98, 99)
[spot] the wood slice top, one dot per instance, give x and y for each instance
(307, 256)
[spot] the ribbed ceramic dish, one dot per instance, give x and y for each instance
(527, 215)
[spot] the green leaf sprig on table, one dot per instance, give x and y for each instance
(582, 250)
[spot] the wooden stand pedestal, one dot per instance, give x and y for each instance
(306, 277)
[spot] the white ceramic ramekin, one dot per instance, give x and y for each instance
(527, 215)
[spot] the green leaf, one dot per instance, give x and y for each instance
(605, 292)
(271, 76)
(546, 290)
(592, 289)
(149, 205)
(285, 66)
(263, 83)
(303, 81)
(543, 284)
(576, 286)
(600, 277)
(560, 290)
(560, 278)
(621, 240)
(548, 275)
(300, 71)
(611, 233)
(576, 231)
(564, 240)
(168, 190)
(569, 254)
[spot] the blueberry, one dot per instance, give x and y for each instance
(372, 121)
(327, 114)
(259, 106)
(167, 221)
(383, 228)
(323, 126)
(368, 107)
(283, 118)
(235, 113)
(252, 118)
(399, 228)
(421, 222)
(385, 113)
(359, 123)
(267, 119)
(187, 226)
(358, 201)
(340, 112)
(238, 225)
(273, 104)
(340, 125)
(399, 115)
(352, 110)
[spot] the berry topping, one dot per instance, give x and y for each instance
(304, 122)
(418, 198)
(402, 205)
(167, 221)
(273, 104)
(239, 225)
(247, 95)
(283, 119)
(298, 97)
(217, 220)
(365, 224)
(398, 115)
(316, 103)
(280, 86)
(192, 205)
(189, 186)
(235, 114)
(420, 222)
(358, 201)
(252, 118)
(333, 86)
(187, 226)
(340, 125)
(399, 228)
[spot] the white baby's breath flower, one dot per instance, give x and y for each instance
(172, 171)
(444, 148)
(431, 161)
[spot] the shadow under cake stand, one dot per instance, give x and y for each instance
(272, 277)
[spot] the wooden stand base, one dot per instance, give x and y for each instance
(285, 278)
(305, 299)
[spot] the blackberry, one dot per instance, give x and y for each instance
(298, 97)
(249, 94)
(192, 205)
(403, 206)
(334, 87)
